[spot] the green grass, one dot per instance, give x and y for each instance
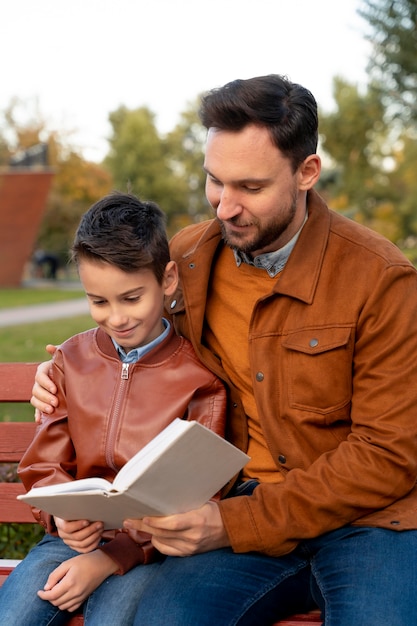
(26, 296)
(26, 342)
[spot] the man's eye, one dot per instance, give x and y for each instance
(252, 189)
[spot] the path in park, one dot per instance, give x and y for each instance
(42, 312)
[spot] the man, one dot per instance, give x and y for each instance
(311, 320)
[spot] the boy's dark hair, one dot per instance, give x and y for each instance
(287, 110)
(125, 232)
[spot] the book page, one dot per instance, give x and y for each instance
(146, 456)
(73, 486)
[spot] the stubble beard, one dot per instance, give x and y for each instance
(266, 235)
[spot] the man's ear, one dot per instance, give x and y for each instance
(170, 281)
(309, 172)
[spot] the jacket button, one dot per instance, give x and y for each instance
(314, 343)
(282, 459)
(259, 376)
(395, 522)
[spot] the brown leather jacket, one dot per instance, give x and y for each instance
(114, 411)
(337, 395)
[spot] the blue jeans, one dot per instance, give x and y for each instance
(113, 603)
(357, 575)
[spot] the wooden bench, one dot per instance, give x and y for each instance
(16, 381)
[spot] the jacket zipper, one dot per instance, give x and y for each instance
(115, 416)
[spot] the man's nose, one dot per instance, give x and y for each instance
(228, 206)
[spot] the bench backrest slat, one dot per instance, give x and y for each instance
(16, 382)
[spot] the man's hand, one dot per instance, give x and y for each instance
(43, 391)
(185, 534)
(80, 535)
(74, 580)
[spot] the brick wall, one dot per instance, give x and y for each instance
(23, 195)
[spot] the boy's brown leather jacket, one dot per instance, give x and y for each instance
(333, 353)
(114, 411)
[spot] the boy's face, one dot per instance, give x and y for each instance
(127, 306)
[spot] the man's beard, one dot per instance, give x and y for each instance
(266, 235)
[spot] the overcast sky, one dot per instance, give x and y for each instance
(81, 59)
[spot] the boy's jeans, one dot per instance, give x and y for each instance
(113, 603)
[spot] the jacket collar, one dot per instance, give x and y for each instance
(301, 274)
(157, 355)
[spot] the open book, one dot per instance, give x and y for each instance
(179, 470)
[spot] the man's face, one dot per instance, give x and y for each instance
(253, 190)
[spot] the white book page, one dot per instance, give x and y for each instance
(146, 456)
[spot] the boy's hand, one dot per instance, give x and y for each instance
(80, 535)
(74, 580)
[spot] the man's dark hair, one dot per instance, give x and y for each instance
(287, 110)
(125, 232)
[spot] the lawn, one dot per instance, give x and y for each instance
(26, 296)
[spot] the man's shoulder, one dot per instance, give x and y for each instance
(368, 240)
(188, 238)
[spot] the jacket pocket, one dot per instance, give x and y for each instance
(319, 373)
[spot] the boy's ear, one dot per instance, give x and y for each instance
(309, 172)
(170, 282)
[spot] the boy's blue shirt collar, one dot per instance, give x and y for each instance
(137, 353)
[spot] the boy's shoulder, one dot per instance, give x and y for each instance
(81, 338)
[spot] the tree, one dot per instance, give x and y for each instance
(393, 75)
(185, 149)
(355, 137)
(166, 169)
(139, 162)
(371, 177)
(393, 64)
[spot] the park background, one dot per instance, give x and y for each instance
(368, 116)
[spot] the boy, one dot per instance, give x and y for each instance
(119, 385)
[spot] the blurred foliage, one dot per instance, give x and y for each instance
(371, 135)
(17, 539)
(392, 32)
(167, 169)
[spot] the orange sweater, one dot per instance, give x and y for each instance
(229, 311)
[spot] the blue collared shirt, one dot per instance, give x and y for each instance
(137, 353)
(273, 262)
